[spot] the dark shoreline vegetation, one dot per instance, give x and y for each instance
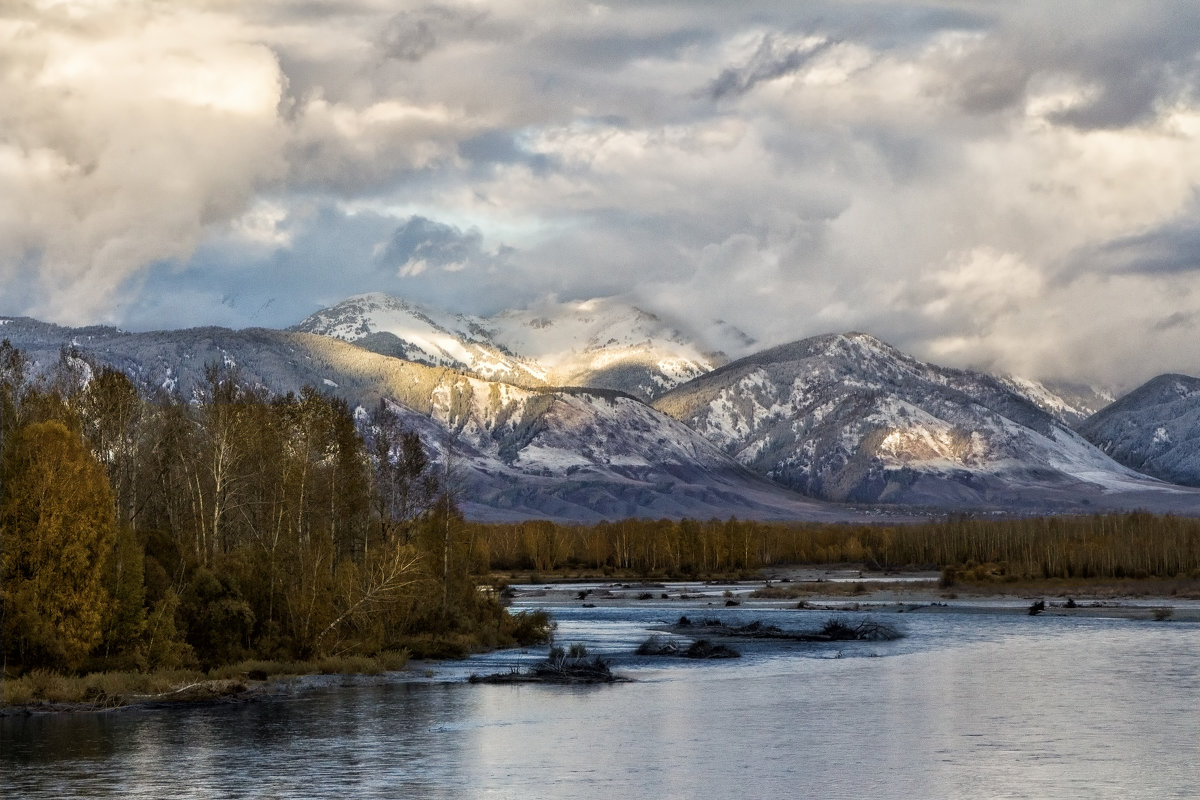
(231, 535)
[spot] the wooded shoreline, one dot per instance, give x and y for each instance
(160, 535)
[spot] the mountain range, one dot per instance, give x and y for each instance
(835, 427)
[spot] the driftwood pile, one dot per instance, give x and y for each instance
(834, 630)
(573, 667)
(702, 648)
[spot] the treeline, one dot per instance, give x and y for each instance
(1111, 546)
(160, 532)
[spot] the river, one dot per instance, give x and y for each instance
(979, 705)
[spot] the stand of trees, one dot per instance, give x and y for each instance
(1135, 545)
(147, 533)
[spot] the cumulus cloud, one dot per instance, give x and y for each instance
(1010, 186)
(126, 132)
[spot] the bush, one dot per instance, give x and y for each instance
(530, 627)
(948, 577)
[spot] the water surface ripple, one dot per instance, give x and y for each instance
(966, 706)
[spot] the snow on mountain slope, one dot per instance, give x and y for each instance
(847, 417)
(1066, 402)
(1154, 429)
(390, 326)
(604, 343)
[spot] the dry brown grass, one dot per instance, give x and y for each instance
(99, 690)
(802, 589)
(1099, 588)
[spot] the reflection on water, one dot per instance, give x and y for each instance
(965, 706)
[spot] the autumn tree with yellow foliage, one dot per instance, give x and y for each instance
(142, 534)
(58, 530)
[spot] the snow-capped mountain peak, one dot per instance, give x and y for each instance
(604, 342)
(393, 326)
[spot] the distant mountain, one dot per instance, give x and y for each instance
(1155, 429)
(1071, 403)
(521, 453)
(604, 343)
(849, 418)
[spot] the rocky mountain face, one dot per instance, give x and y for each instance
(1071, 403)
(1155, 429)
(603, 343)
(849, 418)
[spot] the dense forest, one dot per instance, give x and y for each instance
(1134, 545)
(162, 532)
(152, 533)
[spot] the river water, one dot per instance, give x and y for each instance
(980, 705)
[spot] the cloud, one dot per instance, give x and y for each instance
(127, 131)
(773, 58)
(1171, 249)
(1001, 185)
(420, 244)
(412, 35)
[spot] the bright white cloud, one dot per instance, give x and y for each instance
(125, 132)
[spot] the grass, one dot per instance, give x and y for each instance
(1098, 588)
(96, 689)
(801, 589)
(100, 690)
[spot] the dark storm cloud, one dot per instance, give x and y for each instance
(1171, 249)
(773, 59)
(421, 243)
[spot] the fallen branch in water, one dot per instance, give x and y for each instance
(560, 667)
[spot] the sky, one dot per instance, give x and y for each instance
(1009, 186)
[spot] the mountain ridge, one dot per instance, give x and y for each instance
(848, 417)
(1154, 429)
(861, 423)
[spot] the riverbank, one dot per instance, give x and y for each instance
(834, 588)
(42, 691)
(849, 588)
